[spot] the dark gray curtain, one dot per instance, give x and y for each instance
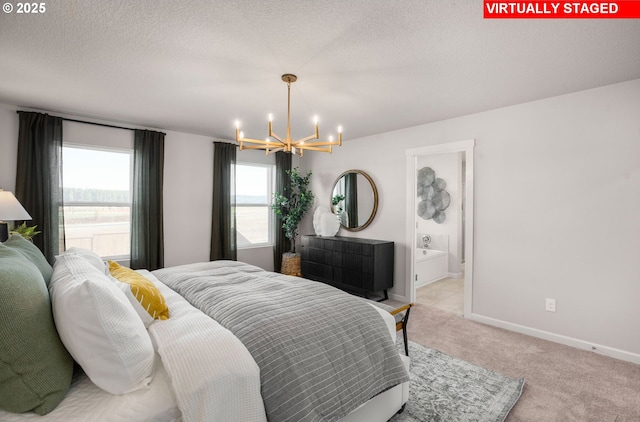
(39, 178)
(283, 183)
(147, 233)
(351, 198)
(223, 218)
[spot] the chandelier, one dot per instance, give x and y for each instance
(275, 143)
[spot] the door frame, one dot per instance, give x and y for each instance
(412, 155)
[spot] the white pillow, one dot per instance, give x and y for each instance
(99, 327)
(89, 256)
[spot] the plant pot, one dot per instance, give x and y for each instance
(291, 264)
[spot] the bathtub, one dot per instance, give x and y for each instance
(431, 265)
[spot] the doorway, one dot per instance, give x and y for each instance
(461, 228)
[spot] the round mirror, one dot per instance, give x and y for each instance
(354, 199)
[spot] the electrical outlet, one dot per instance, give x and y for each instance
(550, 305)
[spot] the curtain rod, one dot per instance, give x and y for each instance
(227, 142)
(93, 123)
(96, 124)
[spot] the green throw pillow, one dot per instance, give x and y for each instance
(35, 368)
(32, 253)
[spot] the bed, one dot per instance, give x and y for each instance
(209, 360)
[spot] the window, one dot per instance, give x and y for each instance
(97, 199)
(254, 217)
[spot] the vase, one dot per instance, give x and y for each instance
(325, 222)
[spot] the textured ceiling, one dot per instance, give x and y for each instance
(369, 65)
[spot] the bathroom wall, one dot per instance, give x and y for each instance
(447, 167)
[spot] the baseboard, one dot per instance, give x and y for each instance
(399, 298)
(419, 284)
(557, 338)
(455, 275)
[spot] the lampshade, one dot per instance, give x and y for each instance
(10, 208)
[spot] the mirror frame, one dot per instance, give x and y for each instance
(375, 199)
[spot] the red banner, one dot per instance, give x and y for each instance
(622, 9)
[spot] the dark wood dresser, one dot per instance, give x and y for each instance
(358, 265)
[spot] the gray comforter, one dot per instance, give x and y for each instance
(321, 352)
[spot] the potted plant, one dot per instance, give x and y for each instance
(26, 232)
(337, 203)
(291, 207)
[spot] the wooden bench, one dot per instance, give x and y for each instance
(401, 315)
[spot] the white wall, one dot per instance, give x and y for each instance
(557, 192)
(188, 191)
(9, 128)
(98, 136)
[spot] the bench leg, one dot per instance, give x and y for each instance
(405, 322)
(406, 342)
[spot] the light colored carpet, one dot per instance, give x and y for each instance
(563, 383)
(444, 388)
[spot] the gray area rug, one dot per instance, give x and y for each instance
(448, 389)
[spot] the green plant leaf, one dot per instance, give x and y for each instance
(26, 232)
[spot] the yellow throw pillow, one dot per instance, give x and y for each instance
(142, 293)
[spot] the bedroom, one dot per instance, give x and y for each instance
(556, 165)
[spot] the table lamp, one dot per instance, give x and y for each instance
(10, 209)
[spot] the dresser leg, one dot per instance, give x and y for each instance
(386, 296)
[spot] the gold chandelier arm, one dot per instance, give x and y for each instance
(243, 147)
(314, 148)
(259, 144)
(315, 144)
(276, 137)
(261, 148)
(257, 141)
(266, 149)
(308, 138)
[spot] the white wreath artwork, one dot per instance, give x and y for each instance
(434, 198)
